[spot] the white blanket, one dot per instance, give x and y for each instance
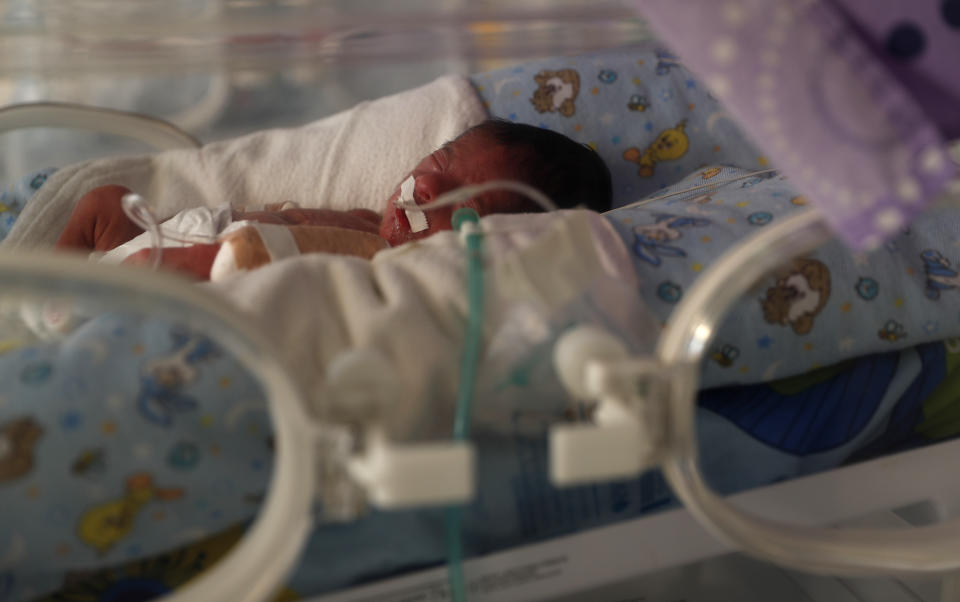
(410, 304)
(353, 159)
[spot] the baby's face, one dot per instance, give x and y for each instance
(470, 159)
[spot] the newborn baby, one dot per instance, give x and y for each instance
(569, 173)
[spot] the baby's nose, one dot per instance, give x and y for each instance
(429, 187)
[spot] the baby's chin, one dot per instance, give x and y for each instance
(397, 232)
(390, 229)
(397, 236)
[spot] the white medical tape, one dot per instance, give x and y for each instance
(224, 264)
(406, 190)
(277, 240)
(417, 219)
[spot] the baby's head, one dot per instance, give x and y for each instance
(568, 172)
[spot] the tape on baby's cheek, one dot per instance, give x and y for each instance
(406, 189)
(417, 219)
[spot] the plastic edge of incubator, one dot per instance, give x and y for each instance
(255, 568)
(925, 549)
(157, 133)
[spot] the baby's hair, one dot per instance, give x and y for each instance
(570, 173)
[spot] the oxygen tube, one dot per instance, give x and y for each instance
(466, 222)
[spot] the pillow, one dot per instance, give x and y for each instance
(647, 116)
(822, 308)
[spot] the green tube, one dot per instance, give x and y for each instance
(453, 522)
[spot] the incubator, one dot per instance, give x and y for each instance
(754, 351)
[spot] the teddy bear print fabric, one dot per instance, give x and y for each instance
(819, 309)
(646, 115)
(13, 198)
(130, 437)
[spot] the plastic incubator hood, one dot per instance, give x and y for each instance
(56, 37)
(666, 384)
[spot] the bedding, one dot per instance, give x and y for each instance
(15, 197)
(823, 308)
(130, 437)
(769, 431)
(650, 119)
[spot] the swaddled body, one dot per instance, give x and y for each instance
(494, 150)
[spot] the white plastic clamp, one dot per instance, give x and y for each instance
(468, 229)
(361, 384)
(402, 476)
(627, 432)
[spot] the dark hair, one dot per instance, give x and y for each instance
(570, 173)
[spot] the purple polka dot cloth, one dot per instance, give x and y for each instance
(850, 98)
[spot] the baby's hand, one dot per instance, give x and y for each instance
(98, 222)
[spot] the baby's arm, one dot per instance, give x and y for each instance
(245, 249)
(363, 220)
(253, 246)
(98, 222)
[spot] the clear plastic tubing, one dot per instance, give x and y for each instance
(154, 132)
